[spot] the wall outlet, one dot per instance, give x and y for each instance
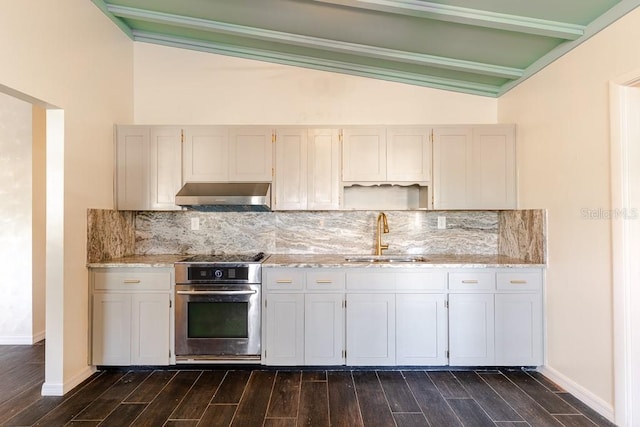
(442, 222)
(195, 223)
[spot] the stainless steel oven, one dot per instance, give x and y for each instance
(218, 301)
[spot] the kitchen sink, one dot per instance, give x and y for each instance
(385, 258)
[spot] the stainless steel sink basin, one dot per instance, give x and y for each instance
(385, 258)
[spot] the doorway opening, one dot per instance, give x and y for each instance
(625, 191)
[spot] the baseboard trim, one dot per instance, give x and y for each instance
(585, 396)
(60, 389)
(17, 340)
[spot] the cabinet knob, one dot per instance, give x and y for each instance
(283, 281)
(518, 282)
(131, 280)
(470, 282)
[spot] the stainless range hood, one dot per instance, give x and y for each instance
(225, 196)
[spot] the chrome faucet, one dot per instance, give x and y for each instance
(381, 227)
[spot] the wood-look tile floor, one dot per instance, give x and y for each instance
(269, 397)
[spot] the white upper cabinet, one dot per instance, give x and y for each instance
(206, 154)
(227, 154)
(364, 152)
(408, 154)
(291, 169)
(251, 154)
(307, 173)
(323, 174)
(132, 167)
(165, 167)
(394, 154)
(494, 163)
(474, 167)
(148, 167)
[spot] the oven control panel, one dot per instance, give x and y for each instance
(218, 274)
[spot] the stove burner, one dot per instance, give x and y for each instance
(225, 258)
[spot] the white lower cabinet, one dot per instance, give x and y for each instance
(471, 330)
(304, 317)
(497, 318)
(421, 329)
(403, 317)
(518, 323)
(131, 316)
(371, 329)
(284, 329)
(324, 329)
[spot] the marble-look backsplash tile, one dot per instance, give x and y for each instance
(351, 232)
(110, 234)
(220, 232)
(522, 235)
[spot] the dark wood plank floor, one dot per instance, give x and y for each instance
(269, 397)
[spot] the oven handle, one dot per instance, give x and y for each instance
(216, 292)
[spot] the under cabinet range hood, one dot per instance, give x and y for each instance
(225, 196)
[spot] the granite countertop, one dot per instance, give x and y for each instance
(430, 261)
(334, 260)
(139, 261)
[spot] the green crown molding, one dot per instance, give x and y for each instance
(105, 9)
(317, 43)
(467, 16)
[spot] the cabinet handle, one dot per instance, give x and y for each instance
(131, 280)
(284, 281)
(323, 281)
(471, 282)
(518, 282)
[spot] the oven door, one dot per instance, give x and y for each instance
(218, 322)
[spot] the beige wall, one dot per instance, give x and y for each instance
(174, 86)
(69, 55)
(563, 159)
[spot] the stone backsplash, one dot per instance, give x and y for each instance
(518, 234)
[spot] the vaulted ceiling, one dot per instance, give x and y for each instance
(482, 47)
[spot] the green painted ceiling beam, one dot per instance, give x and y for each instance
(319, 64)
(317, 43)
(467, 16)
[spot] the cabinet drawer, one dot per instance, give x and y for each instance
(472, 281)
(421, 281)
(516, 281)
(325, 279)
(374, 280)
(285, 279)
(134, 279)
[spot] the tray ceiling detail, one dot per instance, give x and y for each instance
(482, 47)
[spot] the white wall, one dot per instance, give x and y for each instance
(70, 55)
(175, 86)
(563, 159)
(15, 221)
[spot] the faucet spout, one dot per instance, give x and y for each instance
(382, 226)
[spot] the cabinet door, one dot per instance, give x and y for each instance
(285, 329)
(452, 161)
(165, 167)
(408, 154)
(323, 177)
(206, 154)
(251, 154)
(471, 330)
(421, 329)
(323, 329)
(371, 328)
(111, 329)
(364, 152)
(519, 329)
(150, 329)
(132, 167)
(494, 168)
(291, 169)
